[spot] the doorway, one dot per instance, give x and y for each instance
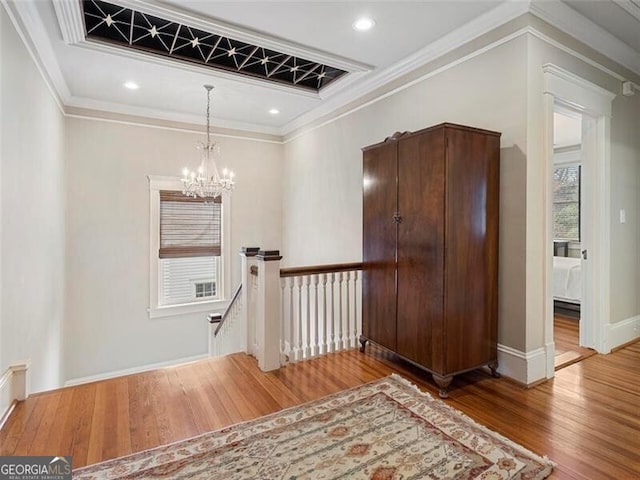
(580, 101)
(568, 227)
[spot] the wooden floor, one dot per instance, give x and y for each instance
(566, 336)
(587, 419)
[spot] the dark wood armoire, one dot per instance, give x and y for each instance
(430, 248)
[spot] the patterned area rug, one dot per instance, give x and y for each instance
(384, 430)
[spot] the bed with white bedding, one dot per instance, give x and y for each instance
(567, 281)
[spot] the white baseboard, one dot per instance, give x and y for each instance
(14, 387)
(131, 371)
(524, 367)
(622, 332)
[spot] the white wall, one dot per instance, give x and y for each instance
(108, 239)
(625, 184)
(501, 90)
(625, 238)
(323, 175)
(32, 216)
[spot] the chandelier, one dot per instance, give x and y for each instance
(206, 182)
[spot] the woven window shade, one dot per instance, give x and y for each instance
(189, 227)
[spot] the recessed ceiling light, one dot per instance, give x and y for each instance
(274, 111)
(363, 24)
(131, 85)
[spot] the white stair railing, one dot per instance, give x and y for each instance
(226, 329)
(293, 314)
(321, 310)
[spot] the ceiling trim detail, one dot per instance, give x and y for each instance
(500, 15)
(631, 6)
(528, 30)
(131, 29)
(152, 113)
(29, 26)
(69, 15)
(244, 34)
(343, 92)
(573, 23)
(72, 25)
(193, 67)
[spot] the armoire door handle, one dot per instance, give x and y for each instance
(397, 218)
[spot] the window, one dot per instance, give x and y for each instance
(205, 289)
(566, 203)
(187, 263)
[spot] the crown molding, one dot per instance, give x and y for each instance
(308, 127)
(500, 15)
(631, 6)
(343, 92)
(573, 23)
(70, 20)
(146, 122)
(31, 30)
(557, 14)
(92, 107)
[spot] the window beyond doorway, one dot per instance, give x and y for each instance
(566, 203)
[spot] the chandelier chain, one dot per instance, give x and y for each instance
(208, 87)
(206, 182)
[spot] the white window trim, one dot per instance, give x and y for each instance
(157, 183)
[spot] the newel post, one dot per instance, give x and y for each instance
(268, 310)
(248, 312)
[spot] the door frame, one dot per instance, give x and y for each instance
(566, 89)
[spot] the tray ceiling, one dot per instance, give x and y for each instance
(86, 68)
(132, 29)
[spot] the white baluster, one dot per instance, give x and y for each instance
(356, 330)
(308, 344)
(347, 310)
(316, 323)
(299, 319)
(332, 281)
(325, 335)
(340, 320)
(293, 356)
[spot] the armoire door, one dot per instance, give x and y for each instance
(471, 303)
(421, 203)
(379, 233)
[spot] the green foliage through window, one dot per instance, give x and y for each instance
(566, 203)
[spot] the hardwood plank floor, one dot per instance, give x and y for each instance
(566, 336)
(587, 419)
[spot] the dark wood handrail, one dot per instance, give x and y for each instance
(316, 269)
(221, 318)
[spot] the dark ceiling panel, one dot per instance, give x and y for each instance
(127, 28)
